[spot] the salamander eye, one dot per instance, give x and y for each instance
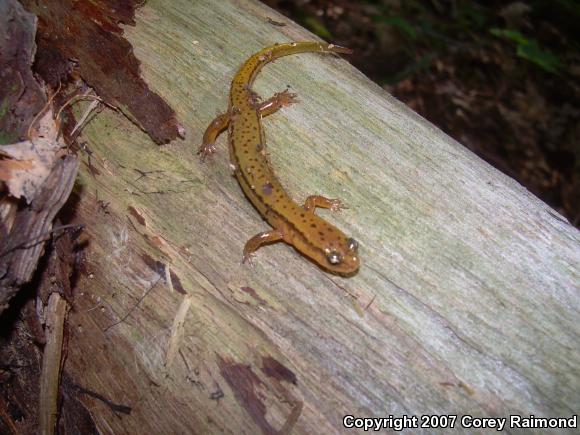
(334, 257)
(352, 244)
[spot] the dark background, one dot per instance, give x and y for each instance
(502, 78)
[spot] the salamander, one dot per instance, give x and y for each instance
(296, 225)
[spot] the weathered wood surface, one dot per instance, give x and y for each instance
(467, 301)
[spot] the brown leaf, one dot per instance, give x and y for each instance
(26, 165)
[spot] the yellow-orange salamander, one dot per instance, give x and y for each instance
(296, 225)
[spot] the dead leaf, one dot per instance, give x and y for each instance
(24, 166)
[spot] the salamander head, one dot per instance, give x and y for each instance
(341, 257)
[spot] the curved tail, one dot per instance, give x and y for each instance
(248, 71)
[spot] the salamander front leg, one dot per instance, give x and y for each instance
(275, 103)
(314, 201)
(215, 128)
(219, 124)
(259, 240)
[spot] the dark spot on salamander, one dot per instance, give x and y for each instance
(267, 188)
(312, 225)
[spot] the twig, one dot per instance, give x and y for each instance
(113, 406)
(29, 131)
(134, 306)
(177, 330)
(30, 243)
(51, 362)
(88, 111)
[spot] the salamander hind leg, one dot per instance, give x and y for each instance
(314, 201)
(215, 128)
(259, 240)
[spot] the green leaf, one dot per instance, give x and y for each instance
(512, 35)
(317, 28)
(402, 24)
(542, 58)
(530, 50)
